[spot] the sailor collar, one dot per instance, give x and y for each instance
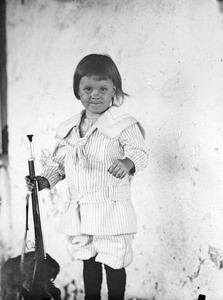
(111, 123)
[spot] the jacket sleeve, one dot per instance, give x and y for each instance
(133, 143)
(53, 168)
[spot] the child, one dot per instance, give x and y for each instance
(98, 151)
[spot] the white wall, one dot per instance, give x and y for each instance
(170, 55)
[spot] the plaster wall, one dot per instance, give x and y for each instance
(170, 56)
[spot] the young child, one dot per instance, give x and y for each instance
(98, 151)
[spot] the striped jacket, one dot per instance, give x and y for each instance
(99, 203)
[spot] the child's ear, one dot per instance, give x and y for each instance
(114, 90)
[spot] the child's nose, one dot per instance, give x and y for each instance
(95, 93)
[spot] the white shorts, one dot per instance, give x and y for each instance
(113, 250)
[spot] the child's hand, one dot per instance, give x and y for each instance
(121, 167)
(41, 181)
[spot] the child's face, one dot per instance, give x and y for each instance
(96, 95)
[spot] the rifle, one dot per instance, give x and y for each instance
(40, 287)
(31, 274)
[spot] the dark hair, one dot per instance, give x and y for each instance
(102, 67)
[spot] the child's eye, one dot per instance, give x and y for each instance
(104, 90)
(88, 89)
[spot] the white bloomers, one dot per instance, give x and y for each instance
(114, 250)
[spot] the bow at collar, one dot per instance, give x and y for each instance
(78, 152)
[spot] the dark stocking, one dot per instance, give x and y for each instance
(116, 281)
(92, 274)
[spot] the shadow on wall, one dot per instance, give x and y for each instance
(220, 5)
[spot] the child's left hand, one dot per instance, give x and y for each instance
(121, 167)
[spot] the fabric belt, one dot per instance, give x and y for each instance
(98, 195)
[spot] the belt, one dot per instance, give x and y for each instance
(98, 194)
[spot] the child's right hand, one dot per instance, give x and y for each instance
(42, 183)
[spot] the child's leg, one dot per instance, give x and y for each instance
(116, 282)
(92, 274)
(83, 249)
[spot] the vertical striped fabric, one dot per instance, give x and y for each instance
(99, 203)
(114, 251)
